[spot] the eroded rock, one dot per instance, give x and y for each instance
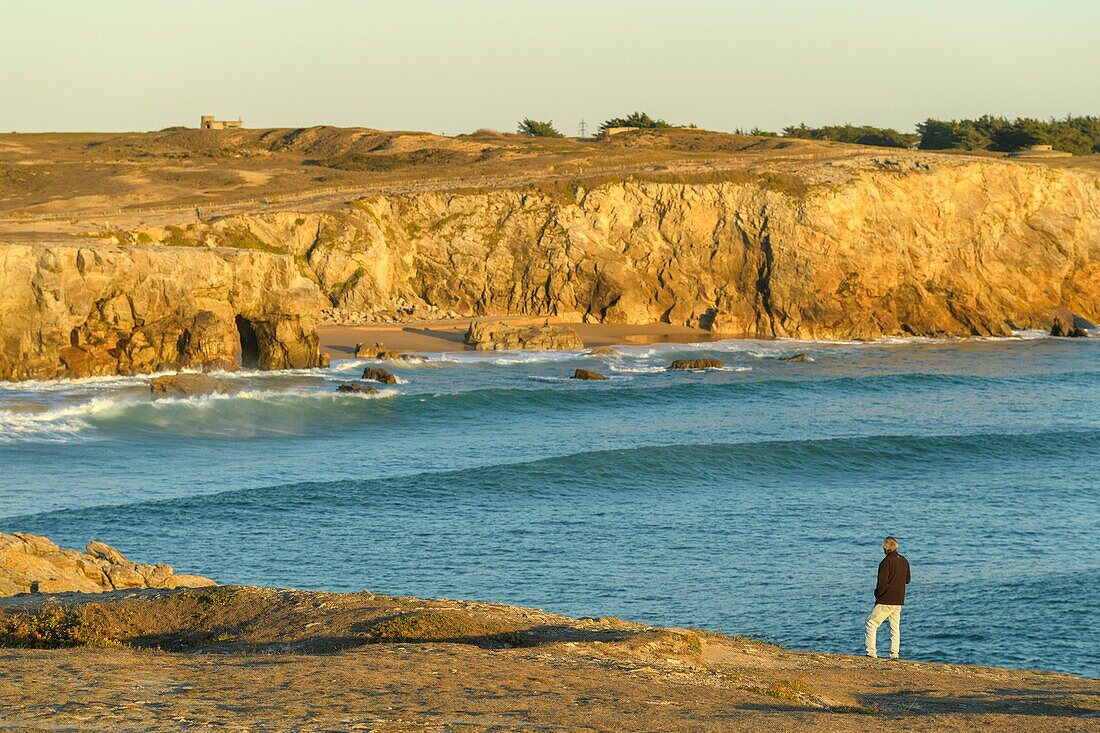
(1068, 325)
(500, 335)
(189, 385)
(68, 311)
(30, 563)
(694, 364)
(379, 375)
(588, 375)
(356, 388)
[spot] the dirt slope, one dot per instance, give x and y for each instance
(262, 659)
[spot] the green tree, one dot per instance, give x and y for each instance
(1020, 134)
(538, 128)
(636, 119)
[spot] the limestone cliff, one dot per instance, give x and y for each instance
(68, 311)
(851, 248)
(931, 245)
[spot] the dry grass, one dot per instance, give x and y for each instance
(446, 626)
(54, 627)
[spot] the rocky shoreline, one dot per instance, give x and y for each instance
(165, 658)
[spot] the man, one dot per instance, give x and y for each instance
(893, 576)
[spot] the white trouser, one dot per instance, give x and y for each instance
(880, 613)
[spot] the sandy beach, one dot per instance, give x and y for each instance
(338, 341)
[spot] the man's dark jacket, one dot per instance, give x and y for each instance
(893, 575)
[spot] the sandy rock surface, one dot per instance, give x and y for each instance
(30, 563)
(497, 335)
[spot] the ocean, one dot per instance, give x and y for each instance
(751, 500)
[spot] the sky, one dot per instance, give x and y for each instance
(453, 67)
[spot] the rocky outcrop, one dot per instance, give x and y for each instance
(382, 376)
(189, 385)
(356, 388)
(925, 244)
(1068, 325)
(694, 364)
(380, 352)
(70, 311)
(499, 335)
(32, 564)
(587, 375)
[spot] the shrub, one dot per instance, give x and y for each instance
(537, 128)
(53, 627)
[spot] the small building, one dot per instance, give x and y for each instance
(1040, 151)
(207, 122)
(609, 131)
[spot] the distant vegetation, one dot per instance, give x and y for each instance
(636, 119)
(858, 135)
(538, 128)
(1078, 135)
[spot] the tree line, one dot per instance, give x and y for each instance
(1077, 135)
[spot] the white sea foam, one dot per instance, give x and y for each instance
(74, 422)
(504, 358)
(56, 425)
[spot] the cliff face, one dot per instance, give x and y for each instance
(85, 311)
(958, 247)
(859, 248)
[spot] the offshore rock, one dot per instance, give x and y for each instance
(82, 311)
(355, 388)
(379, 375)
(588, 375)
(693, 364)
(30, 563)
(189, 385)
(497, 335)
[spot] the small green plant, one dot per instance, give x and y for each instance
(174, 236)
(53, 627)
(241, 237)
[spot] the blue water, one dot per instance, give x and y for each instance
(751, 500)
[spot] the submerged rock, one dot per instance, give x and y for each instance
(379, 375)
(796, 358)
(189, 385)
(32, 564)
(603, 351)
(691, 364)
(589, 375)
(356, 388)
(499, 335)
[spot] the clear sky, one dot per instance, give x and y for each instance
(453, 66)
